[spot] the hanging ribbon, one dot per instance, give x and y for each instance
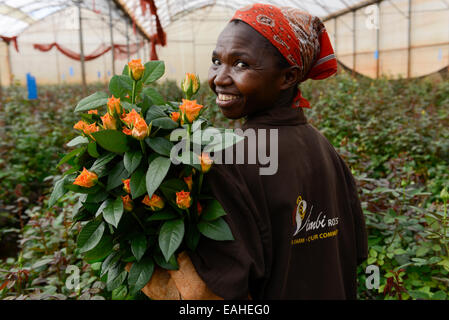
(160, 36)
(11, 39)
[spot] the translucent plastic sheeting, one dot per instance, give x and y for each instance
(17, 15)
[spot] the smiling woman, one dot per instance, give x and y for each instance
(277, 220)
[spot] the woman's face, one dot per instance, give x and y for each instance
(244, 73)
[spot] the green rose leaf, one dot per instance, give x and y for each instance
(93, 101)
(160, 145)
(140, 273)
(111, 140)
(117, 174)
(153, 71)
(212, 211)
(101, 250)
(90, 235)
(58, 191)
(92, 150)
(170, 237)
(110, 261)
(139, 246)
(99, 166)
(172, 264)
(117, 281)
(113, 211)
(164, 214)
(165, 123)
(216, 229)
(77, 140)
(132, 160)
(120, 86)
(70, 155)
(157, 170)
(154, 95)
(138, 183)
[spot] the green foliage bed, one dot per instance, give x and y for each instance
(393, 134)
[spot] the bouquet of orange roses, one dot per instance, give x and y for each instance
(138, 167)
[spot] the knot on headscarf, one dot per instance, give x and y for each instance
(300, 37)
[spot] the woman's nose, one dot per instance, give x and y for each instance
(222, 77)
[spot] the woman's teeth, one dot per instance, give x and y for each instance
(226, 97)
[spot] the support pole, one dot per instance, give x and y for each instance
(8, 64)
(111, 31)
(127, 39)
(83, 69)
(354, 43)
(378, 41)
(409, 39)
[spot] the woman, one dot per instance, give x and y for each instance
(300, 232)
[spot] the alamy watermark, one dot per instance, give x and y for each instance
(261, 146)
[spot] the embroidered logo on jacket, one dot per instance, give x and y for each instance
(310, 226)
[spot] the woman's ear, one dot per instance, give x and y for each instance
(290, 77)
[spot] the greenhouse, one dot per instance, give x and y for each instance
(99, 100)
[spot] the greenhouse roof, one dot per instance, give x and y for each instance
(17, 15)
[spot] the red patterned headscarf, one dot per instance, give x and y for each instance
(300, 37)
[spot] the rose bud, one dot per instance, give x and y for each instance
(127, 203)
(88, 129)
(205, 161)
(156, 203)
(188, 180)
(114, 106)
(80, 125)
(190, 110)
(126, 185)
(109, 122)
(183, 200)
(190, 85)
(86, 179)
(140, 129)
(131, 118)
(136, 69)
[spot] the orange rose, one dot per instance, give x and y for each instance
(80, 125)
(205, 161)
(114, 106)
(183, 200)
(136, 69)
(126, 186)
(140, 129)
(131, 118)
(174, 116)
(156, 203)
(86, 179)
(109, 122)
(127, 203)
(92, 111)
(190, 110)
(127, 131)
(188, 180)
(88, 129)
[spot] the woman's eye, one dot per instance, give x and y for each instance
(241, 64)
(215, 61)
